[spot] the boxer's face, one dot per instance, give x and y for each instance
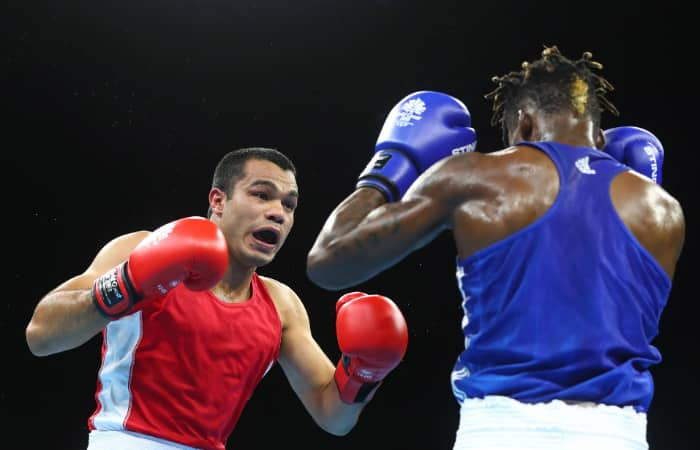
(258, 217)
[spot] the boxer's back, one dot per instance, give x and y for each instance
(511, 189)
(574, 294)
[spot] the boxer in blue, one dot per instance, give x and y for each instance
(566, 249)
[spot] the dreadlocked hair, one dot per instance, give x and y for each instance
(554, 83)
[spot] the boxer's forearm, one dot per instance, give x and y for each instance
(336, 243)
(357, 244)
(63, 320)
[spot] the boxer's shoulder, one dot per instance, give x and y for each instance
(286, 301)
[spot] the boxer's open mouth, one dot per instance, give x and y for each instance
(268, 236)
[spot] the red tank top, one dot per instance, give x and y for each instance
(183, 367)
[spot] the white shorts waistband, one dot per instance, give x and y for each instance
(127, 440)
(502, 423)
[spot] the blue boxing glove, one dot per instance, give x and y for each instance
(637, 148)
(420, 130)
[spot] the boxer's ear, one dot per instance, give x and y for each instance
(217, 198)
(599, 139)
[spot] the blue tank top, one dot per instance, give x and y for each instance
(567, 307)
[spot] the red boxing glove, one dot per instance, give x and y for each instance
(192, 250)
(373, 336)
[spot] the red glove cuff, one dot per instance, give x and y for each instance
(352, 390)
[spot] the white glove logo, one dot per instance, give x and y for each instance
(464, 149)
(410, 110)
(158, 235)
(366, 374)
(651, 153)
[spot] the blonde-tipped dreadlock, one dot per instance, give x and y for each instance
(553, 83)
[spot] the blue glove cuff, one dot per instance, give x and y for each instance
(391, 172)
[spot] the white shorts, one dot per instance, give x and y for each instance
(127, 440)
(501, 423)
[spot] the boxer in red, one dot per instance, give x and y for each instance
(189, 328)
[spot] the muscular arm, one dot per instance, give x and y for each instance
(66, 318)
(309, 371)
(364, 236)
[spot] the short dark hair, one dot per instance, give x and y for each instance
(229, 170)
(554, 83)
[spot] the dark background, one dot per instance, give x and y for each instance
(117, 112)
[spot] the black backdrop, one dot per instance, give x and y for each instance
(117, 112)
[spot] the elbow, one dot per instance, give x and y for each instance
(317, 270)
(340, 431)
(338, 428)
(323, 278)
(37, 345)
(330, 412)
(322, 274)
